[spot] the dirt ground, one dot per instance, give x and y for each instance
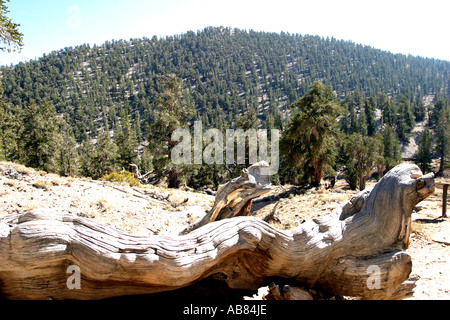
(156, 210)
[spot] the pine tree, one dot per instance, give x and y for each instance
(145, 161)
(11, 39)
(11, 129)
(420, 111)
(436, 111)
(67, 154)
(39, 136)
(423, 155)
(362, 124)
(405, 120)
(105, 156)
(87, 165)
(126, 142)
(353, 122)
(369, 110)
(392, 148)
(171, 113)
(388, 110)
(4, 129)
(245, 122)
(310, 139)
(137, 127)
(364, 154)
(442, 136)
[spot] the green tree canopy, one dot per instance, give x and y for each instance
(39, 136)
(364, 154)
(423, 155)
(126, 142)
(392, 148)
(442, 136)
(10, 37)
(310, 139)
(171, 113)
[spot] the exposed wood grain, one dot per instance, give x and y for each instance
(235, 198)
(358, 250)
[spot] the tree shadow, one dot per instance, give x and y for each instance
(262, 202)
(435, 220)
(205, 290)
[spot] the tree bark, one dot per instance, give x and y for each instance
(358, 250)
(235, 198)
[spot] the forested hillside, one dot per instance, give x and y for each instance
(57, 111)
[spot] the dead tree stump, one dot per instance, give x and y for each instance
(235, 198)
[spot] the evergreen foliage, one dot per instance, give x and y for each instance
(172, 112)
(310, 139)
(442, 136)
(88, 110)
(364, 153)
(225, 72)
(126, 142)
(39, 136)
(423, 155)
(391, 144)
(11, 39)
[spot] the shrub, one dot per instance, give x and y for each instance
(41, 184)
(121, 177)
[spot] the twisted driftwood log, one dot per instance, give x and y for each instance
(356, 251)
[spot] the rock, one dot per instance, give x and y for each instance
(296, 293)
(287, 293)
(11, 172)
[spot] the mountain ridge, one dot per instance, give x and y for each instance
(226, 72)
(226, 78)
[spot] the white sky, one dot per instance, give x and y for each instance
(400, 26)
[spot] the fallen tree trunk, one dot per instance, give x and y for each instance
(358, 250)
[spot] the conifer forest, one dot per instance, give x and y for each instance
(340, 107)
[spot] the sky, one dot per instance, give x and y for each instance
(414, 27)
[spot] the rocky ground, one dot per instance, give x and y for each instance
(157, 210)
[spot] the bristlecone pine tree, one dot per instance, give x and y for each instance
(171, 113)
(423, 155)
(310, 139)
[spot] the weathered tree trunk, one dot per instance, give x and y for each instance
(235, 198)
(358, 250)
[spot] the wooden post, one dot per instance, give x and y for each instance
(444, 201)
